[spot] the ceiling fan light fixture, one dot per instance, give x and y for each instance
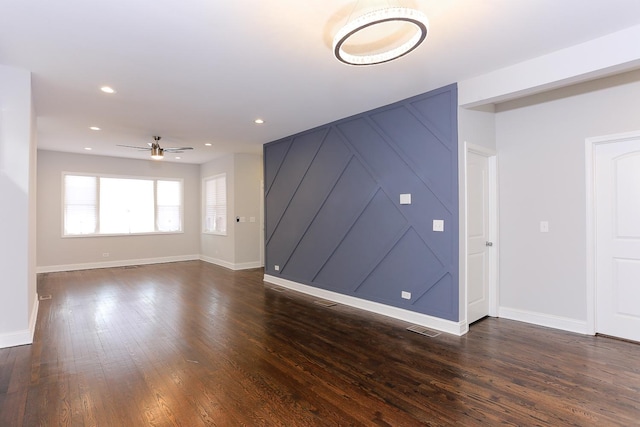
(375, 18)
(157, 153)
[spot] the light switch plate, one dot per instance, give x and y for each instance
(405, 199)
(544, 226)
(438, 225)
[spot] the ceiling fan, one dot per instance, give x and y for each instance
(157, 152)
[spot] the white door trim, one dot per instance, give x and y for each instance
(493, 227)
(590, 148)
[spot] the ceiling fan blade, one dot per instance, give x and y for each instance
(132, 146)
(177, 149)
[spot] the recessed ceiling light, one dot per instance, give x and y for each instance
(107, 89)
(208, 144)
(258, 121)
(88, 148)
(94, 128)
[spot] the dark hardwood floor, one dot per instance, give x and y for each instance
(193, 344)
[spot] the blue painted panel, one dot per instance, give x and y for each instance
(343, 207)
(333, 216)
(327, 166)
(287, 180)
(427, 155)
(371, 237)
(274, 158)
(437, 109)
(395, 177)
(441, 300)
(408, 266)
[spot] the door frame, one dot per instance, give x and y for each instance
(492, 159)
(592, 243)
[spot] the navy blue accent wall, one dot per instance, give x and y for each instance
(333, 217)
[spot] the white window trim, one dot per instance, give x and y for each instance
(100, 175)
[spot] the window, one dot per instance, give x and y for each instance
(215, 204)
(101, 205)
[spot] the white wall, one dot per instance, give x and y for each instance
(477, 126)
(247, 190)
(56, 253)
(541, 150)
(240, 248)
(18, 303)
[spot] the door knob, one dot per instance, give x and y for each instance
(489, 244)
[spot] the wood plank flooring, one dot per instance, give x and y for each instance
(191, 344)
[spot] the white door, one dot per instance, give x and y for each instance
(477, 236)
(617, 193)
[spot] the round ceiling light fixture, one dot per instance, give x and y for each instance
(386, 48)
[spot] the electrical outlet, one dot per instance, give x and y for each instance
(406, 295)
(544, 226)
(276, 267)
(438, 225)
(105, 254)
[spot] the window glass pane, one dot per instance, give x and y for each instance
(111, 205)
(168, 206)
(215, 209)
(126, 206)
(79, 204)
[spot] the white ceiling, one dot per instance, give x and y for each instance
(200, 71)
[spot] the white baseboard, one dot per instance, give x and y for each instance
(455, 328)
(110, 264)
(22, 337)
(230, 265)
(542, 319)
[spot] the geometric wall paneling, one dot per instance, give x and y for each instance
(314, 187)
(332, 212)
(297, 160)
(352, 193)
(437, 111)
(274, 157)
(374, 233)
(417, 265)
(441, 299)
(427, 156)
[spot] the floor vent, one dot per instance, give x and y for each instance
(44, 297)
(423, 331)
(325, 303)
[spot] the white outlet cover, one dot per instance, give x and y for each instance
(544, 226)
(276, 267)
(438, 225)
(406, 295)
(405, 199)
